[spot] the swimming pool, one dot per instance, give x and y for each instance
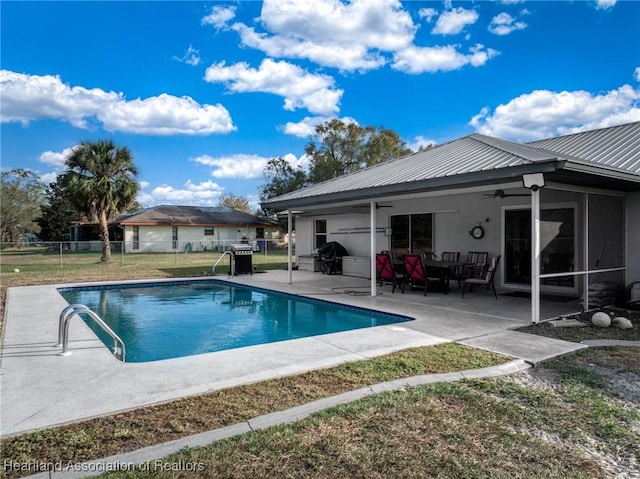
(183, 318)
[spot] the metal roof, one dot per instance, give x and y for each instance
(193, 216)
(615, 147)
(475, 160)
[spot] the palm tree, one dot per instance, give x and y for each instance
(101, 178)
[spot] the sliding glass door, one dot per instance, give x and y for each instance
(412, 233)
(557, 245)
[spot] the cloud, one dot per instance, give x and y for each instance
(234, 166)
(504, 24)
(299, 88)
(349, 36)
(56, 159)
(428, 14)
(220, 16)
(166, 115)
(605, 4)
(453, 21)
(636, 74)
(346, 56)
(49, 178)
(442, 58)
(190, 57)
(298, 161)
(544, 113)
(358, 35)
(420, 142)
(206, 193)
(307, 126)
(27, 98)
(304, 128)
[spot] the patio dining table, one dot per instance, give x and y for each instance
(443, 269)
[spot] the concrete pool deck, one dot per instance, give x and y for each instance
(40, 388)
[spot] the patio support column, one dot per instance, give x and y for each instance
(372, 207)
(535, 255)
(585, 284)
(290, 245)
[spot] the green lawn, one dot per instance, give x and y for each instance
(35, 265)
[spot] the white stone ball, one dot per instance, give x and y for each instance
(601, 320)
(622, 323)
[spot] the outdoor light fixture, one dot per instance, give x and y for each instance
(533, 181)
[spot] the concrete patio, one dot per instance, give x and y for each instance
(40, 388)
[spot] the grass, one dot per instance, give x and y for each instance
(564, 419)
(106, 436)
(490, 428)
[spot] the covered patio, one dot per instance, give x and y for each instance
(559, 213)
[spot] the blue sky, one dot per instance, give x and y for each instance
(205, 93)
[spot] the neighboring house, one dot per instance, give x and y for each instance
(170, 228)
(575, 228)
(85, 236)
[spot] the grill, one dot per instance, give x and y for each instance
(242, 258)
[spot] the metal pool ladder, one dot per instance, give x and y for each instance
(213, 270)
(63, 329)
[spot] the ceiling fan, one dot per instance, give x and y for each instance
(499, 194)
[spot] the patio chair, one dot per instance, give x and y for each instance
(488, 279)
(475, 267)
(416, 275)
(456, 272)
(450, 256)
(387, 273)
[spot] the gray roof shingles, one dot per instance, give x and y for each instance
(193, 215)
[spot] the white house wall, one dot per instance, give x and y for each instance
(455, 215)
(159, 239)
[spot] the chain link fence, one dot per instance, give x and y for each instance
(266, 254)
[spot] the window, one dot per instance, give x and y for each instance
(174, 237)
(321, 233)
(208, 231)
(557, 245)
(136, 237)
(412, 233)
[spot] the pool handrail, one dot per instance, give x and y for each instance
(76, 309)
(224, 253)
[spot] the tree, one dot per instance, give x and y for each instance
(22, 195)
(338, 148)
(281, 178)
(101, 180)
(235, 202)
(58, 213)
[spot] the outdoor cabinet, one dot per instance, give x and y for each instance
(359, 266)
(308, 263)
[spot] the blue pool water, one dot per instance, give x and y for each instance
(182, 318)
